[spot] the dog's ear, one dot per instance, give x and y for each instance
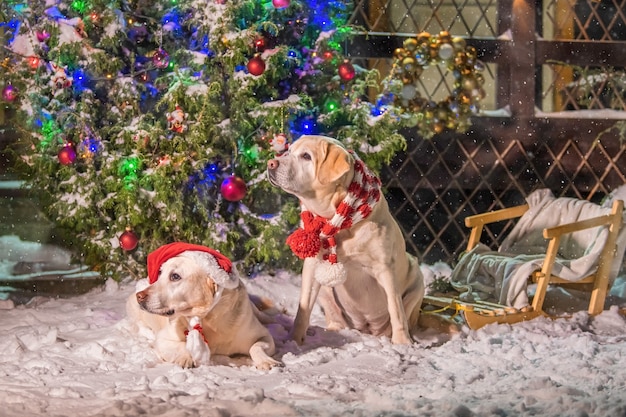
(334, 162)
(207, 261)
(212, 285)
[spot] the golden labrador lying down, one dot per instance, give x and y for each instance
(195, 284)
(354, 253)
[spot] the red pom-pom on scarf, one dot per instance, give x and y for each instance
(304, 244)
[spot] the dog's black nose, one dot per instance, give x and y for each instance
(272, 164)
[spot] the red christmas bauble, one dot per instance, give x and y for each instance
(256, 65)
(128, 240)
(346, 71)
(34, 62)
(67, 155)
(233, 188)
(281, 4)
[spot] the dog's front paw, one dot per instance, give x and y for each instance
(298, 336)
(335, 326)
(184, 360)
(401, 339)
(267, 364)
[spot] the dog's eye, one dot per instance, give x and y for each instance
(306, 156)
(175, 277)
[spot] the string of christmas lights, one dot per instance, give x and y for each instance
(152, 123)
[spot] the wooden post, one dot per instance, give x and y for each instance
(523, 59)
(378, 21)
(564, 29)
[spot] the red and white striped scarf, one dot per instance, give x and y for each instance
(319, 232)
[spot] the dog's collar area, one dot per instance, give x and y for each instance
(197, 345)
(318, 233)
(197, 327)
(194, 322)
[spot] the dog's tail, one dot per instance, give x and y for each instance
(264, 309)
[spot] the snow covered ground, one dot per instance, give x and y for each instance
(80, 357)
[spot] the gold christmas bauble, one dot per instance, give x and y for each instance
(444, 37)
(409, 64)
(423, 38)
(460, 59)
(442, 114)
(471, 52)
(459, 43)
(410, 44)
(400, 53)
(468, 83)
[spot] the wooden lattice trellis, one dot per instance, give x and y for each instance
(536, 54)
(436, 183)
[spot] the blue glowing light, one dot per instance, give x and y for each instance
(13, 26)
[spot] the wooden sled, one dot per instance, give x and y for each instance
(479, 313)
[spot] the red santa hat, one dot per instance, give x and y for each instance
(218, 266)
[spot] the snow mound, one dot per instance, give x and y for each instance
(80, 356)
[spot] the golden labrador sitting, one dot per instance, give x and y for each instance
(194, 283)
(354, 253)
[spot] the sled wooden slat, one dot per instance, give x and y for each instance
(478, 314)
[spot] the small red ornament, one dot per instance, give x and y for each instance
(260, 44)
(346, 71)
(67, 155)
(256, 65)
(161, 59)
(9, 93)
(34, 62)
(144, 77)
(233, 188)
(128, 240)
(281, 4)
(220, 1)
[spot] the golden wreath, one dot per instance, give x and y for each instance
(452, 113)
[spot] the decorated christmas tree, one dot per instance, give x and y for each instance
(152, 121)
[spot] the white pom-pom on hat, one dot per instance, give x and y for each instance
(210, 265)
(218, 266)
